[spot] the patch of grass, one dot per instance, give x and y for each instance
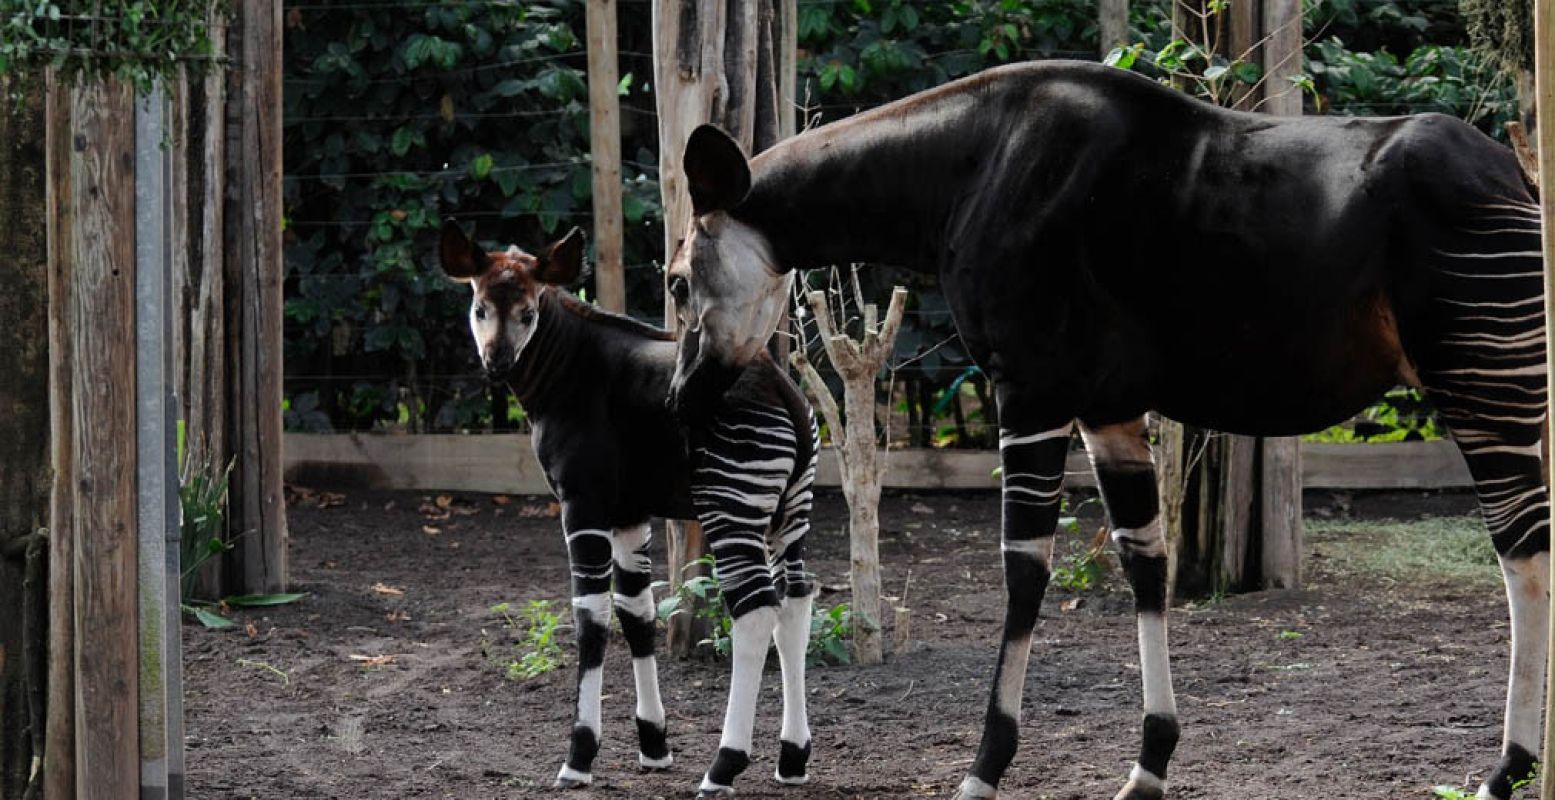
(539, 652)
(1454, 549)
(829, 635)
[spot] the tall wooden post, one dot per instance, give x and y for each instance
(92, 341)
(257, 507)
(714, 61)
(605, 154)
(1544, 69)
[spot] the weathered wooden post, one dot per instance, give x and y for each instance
(1544, 60)
(714, 61)
(1112, 16)
(252, 228)
(605, 154)
(858, 362)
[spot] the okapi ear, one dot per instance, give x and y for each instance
(717, 171)
(459, 257)
(562, 261)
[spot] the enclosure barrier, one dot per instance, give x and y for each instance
(504, 463)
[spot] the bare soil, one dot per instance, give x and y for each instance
(1391, 686)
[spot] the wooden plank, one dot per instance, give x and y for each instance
(605, 154)
(1281, 510)
(504, 463)
(1243, 45)
(1238, 485)
(257, 562)
(1112, 16)
(1544, 89)
(59, 769)
(1281, 57)
(100, 313)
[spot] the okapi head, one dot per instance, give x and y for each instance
(505, 309)
(728, 290)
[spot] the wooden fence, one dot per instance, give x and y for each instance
(505, 463)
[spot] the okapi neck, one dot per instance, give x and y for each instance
(540, 378)
(877, 187)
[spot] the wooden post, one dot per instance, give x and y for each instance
(706, 63)
(92, 334)
(1282, 57)
(1544, 69)
(257, 507)
(605, 154)
(24, 441)
(1112, 15)
(858, 363)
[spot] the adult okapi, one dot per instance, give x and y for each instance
(1111, 247)
(593, 384)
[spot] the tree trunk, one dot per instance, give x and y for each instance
(24, 441)
(1112, 15)
(252, 227)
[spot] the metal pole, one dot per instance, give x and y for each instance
(1544, 76)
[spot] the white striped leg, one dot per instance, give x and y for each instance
(589, 551)
(752, 635)
(636, 611)
(1528, 593)
(1033, 480)
(1121, 458)
(793, 638)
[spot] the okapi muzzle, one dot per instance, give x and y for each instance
(504, 307)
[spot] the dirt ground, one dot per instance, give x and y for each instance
(1393, 685)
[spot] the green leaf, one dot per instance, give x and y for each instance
(624, 88)
(480, 166)
(668, 606)
(404, 137)
(1215, 72)
(211, 619)
(255, 600)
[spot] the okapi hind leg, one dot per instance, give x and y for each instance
(1120, 455)
(1033, 462)
(589, 555)
(636, 611)
(792, 636)
(1486, 376)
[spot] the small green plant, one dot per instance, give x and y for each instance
(1287, 635)
(701, 593)
(829, 635)
(1454, 793)
(1079, 572)
(202, 498)
(538, 653)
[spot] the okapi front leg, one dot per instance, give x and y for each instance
(1033, 480)
(636, 611)
(1120, 455)
(589, 553)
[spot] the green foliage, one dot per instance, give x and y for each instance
(202, 494)
(1502, 31)
(137, 41)
(1454, 793)
(396, 119)
(538, 653)
(1402, 415)
(701, 594)
(1449, 80)
(829, 636)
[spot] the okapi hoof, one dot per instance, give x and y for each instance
(976, 789)
(570, 778)
(1142, 785)
(647, 764)
(714, 792)
(793, 760)
(727, 765)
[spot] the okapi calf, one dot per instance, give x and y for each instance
(595, 386)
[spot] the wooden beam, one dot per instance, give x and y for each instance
(1544, 69)
(257, 507)
(504, 463)
(1282, 57)
(605, 154)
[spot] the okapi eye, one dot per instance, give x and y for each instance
(480, 313)
(680, 290)
(527, 316)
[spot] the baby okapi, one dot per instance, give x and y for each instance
(595, 386)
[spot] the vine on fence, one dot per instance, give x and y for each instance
(137, 41)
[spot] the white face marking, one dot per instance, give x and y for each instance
(737, 293)
(500, 333)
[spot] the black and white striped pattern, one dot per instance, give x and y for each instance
(1487, 379)
(751, 487)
